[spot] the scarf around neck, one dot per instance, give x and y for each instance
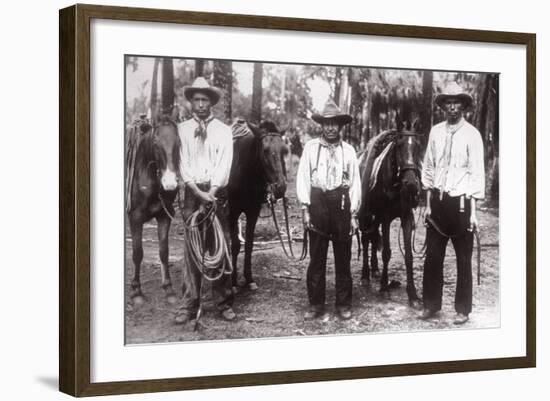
(200, 131)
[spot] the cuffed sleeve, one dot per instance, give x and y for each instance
(185, 156)
(476, 167)
(428, 165)
(355, 184)
(303, 178)
(224, 158)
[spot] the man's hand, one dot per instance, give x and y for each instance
(354, 224)
(206, 197)
(474, 225)
(306, 219)
(427, 214)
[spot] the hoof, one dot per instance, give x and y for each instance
(171, 299)
(138, 300)
(415, 304)
(394, 284)
(252, 286)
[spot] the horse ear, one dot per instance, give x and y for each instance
(398, 121)
(417, 125)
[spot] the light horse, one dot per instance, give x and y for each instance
(151, 195)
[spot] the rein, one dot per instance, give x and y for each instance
(290, 253)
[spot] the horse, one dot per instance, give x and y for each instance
(391, 184)
(151, 194)
(257, 171)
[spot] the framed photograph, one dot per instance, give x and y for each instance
(208, 161)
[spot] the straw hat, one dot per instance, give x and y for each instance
(453, 91)
(200, 85)
(332, 112)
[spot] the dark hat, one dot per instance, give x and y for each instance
(332, 112)
(201, 85)
(453, 91)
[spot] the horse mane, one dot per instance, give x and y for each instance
(375, 147)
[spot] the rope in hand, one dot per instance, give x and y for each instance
(213, 261)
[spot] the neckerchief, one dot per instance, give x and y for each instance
(451, 129)
(200, 131)
(332, 174)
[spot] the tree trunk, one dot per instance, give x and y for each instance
(356, 106)
(256, 115)
(154, 102)
(199, 68)
(337, 85)
(223, 79)
(427, 106)
(167, 85)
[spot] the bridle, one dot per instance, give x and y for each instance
(271, 201)
(410, 166)
(262, 161)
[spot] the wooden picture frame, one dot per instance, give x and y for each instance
(75, 199)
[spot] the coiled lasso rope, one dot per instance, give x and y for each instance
(211, 263)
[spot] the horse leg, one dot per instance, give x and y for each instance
(375, 242)
(407, 222)
(136, 227)
(235, 246)
(163, 228)
(386, 255)
(365, 271)
(251, 219)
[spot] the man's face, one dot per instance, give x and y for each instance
(453, 109)
(201, 105)
(331, 130)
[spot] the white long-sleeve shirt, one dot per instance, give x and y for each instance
(465, 174)
(309, 175)
(208, 160)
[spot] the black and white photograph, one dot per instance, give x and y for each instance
(272, 199)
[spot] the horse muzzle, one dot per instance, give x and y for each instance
(278, 190)
(169, 180)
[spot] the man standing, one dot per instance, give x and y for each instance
(206, 156)
(329, 189)
(454, 177)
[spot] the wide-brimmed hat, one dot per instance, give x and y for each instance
(453, 91)
(332, 112)
(201, 85)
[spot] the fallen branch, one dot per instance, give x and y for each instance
(287, 277)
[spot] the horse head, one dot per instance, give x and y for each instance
(407, 152)
(166, 153)
(271, 152)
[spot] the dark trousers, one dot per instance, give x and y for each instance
(192, 277)
(453, 223)
(331, 220)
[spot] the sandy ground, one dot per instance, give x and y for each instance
(276, 309)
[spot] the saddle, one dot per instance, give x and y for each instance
(240, 129)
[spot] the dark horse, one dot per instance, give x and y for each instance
(152, 192)
(258, 171)
(390, 189)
